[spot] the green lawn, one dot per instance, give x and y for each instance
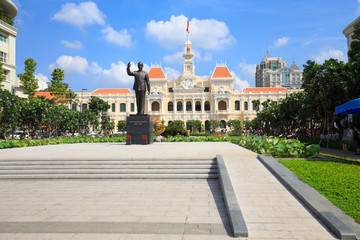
(338, 181)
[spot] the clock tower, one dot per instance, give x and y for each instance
(188, 64)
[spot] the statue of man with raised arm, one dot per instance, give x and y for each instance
(141, 84)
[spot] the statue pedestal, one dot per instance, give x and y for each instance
(139, 129)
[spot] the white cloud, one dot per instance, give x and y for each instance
(247, 69)
(171, 73)
(117, 73)
(43, 81)
(175, 58)
(207, 33)
(76, 44)
(79, 15)
(121, 38)
(240, 84)
(95, 69)
(71, 65)
(198, 56)
(281, 42)
(330, 53)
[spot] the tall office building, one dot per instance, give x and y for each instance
(268, 63)
(348, 32)
(8, 34)
(284, 77)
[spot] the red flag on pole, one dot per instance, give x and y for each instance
(187, 29)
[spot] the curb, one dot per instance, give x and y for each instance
(317, 204)
(237, 222)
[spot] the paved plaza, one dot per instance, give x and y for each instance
(150, 208)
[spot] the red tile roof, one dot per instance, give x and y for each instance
(44, 94)
(111, 91)
(266, 89)
(156, 72)
(221, 72)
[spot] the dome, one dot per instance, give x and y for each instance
(9, 8)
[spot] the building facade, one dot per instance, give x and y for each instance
(284, 77)
(8, 35)
(189, 97)
(268, 63)
(348, 31)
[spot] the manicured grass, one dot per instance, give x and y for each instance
(338, 181)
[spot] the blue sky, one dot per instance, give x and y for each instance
(94, 40)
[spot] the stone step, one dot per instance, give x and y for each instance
(109, 171)
(109, 166)
(110, 176)
(123, 162)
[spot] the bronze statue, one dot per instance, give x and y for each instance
(141, 84)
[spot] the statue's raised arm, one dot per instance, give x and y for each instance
(128, 69)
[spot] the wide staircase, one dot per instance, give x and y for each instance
(109, 169)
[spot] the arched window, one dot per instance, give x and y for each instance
(83, 106)
(237, 105)
(155, 107)
(179, 106)
(132, 107)
(113, 107)
(74, 107)
(188, 106)
(207, 106)
(122, 107)
(188, 50)
(222, 105)
(170, 107)
(246, 106)
(198, 106)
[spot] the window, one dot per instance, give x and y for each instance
(122, 107)
(188, 107)
(246, 106)
(198, 106)
(2, 57)
(155, 107)
(206, 89)
(222, 106)
(73, 107)
(171, 89)
(179, 106)
(83, 107)
(170, 107)
(132, 106)
(2, 38)
(188, 50)
(113, 107)
(237, 105)
(207, 106)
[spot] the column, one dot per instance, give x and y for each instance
(184, 107)
(193, 106)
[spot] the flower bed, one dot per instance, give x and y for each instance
(278, 147)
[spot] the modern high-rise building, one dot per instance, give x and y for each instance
(267, 63)
(284, 77)
(8, 35)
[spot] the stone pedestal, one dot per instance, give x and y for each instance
(139, 129)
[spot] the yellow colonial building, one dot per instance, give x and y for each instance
(189, 97)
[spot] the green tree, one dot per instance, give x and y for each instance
(353, 87)
(256, 104)
(178, 123)
(32, 115)
(58, 88)
(27, 79)
(98, 106)
(235, 125)
(121, 125)
(325, 85)
(87, 119)
(9, 113)
(214, 124)
(2, 75)
(70, 95)
(193, 125)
